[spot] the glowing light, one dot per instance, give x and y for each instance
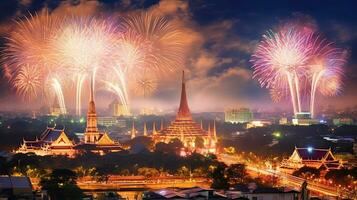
(310, 149)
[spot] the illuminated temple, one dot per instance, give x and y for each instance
(186, 130)
(310, 157)
(56, 142)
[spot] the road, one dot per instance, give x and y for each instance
(286, 179)
(136, 182)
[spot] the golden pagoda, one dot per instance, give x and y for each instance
(187, 130)
(94, 140)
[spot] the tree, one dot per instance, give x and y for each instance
(148, 172)
(4, 166)
(61, 185)
(173, 147)
(218, 176)
(183, 171)
(307, 172)
(236, 173)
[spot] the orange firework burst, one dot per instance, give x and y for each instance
(28, 82)
(145, 84)
(165, 51)
(28, 58)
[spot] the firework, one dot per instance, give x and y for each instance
(28, 59)
(164, 50)
(59, 93)
(82, 47)
(325, 69)
(28, 82)
(280, 59)
(295, 58)
(145, 84)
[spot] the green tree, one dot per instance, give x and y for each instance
(236, 173)
(61, 185)
(307, 172)
(218, 176)
(148, 172)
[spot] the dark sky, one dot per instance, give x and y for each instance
(225, 34)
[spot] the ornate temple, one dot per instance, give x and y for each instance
(56, 142)
(51, 142)
(186, 130)
(94, 140)
(310, 157)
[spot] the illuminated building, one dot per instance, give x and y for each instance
(283, 121)
(258, 123)
(342, 121)
(111, 121)
(94, 140)
(242, 115)
(56, 142)
(51, 142)
(117, 109)
(186, 130)
(55, 109)
(148, 111)
(304, 119)
(311, 157)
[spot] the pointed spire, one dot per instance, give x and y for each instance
(133, 130)
(162, 124)
(209, 129)
(183, 111)
(145, 130)
(154, 128)
(201, 124)
(214, 131)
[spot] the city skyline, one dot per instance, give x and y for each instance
(217, 64)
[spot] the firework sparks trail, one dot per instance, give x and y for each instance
(59, 93)
(325, 69)
(280, 59)
(84, 46)
(28, 55)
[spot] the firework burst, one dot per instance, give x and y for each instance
(28, 82)
(280, 59)
(325, 69)
(84, 46)
(145, 84)
(164, 50)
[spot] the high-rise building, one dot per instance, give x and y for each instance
(118, 109)
(55, 109)
(241, 115)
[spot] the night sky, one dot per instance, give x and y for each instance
(223, 35)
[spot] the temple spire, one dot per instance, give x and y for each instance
(201, 124)
(154, 128)
(184, 111)
(92, 133)
(145, 130)
(162, 124)
(133, 131)
(214, 131)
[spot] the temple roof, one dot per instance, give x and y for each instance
(183, 123)
(50, 134)
(314, 154)
(183, 111)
